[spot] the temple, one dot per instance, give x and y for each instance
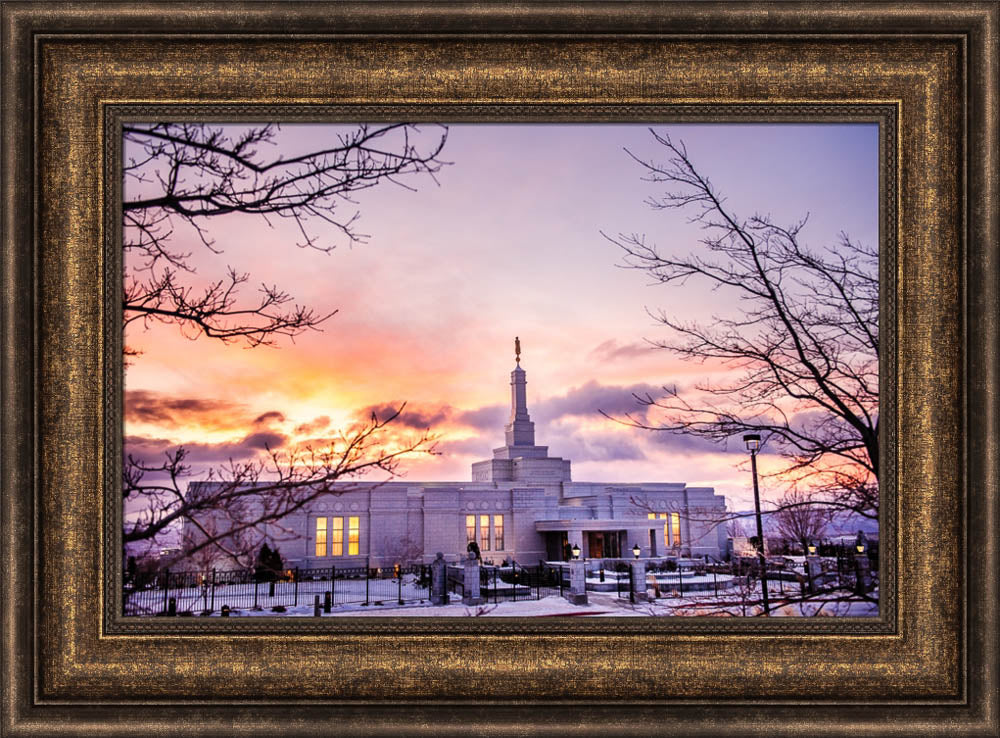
(522, 504)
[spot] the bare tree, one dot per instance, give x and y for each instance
(227, 514)
(800, 519)
(189, 174)
(806, 338)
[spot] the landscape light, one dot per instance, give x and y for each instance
(636, 550)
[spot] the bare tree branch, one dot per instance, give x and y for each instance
(187, 174)
(805, 339)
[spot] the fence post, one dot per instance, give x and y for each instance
(680, 580)
(439, 581)
(470, 581)
(166, 589)
(256, 586)
(213, 591)
(715, 581)
(400, 586)
(333, 584)
(296, 575)
(316, 606)
(368, 579)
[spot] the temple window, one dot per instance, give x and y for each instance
(353, 535)
(337, 544)
(321, 536)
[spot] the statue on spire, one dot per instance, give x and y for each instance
(517, 349)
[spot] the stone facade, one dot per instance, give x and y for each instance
(521, 504)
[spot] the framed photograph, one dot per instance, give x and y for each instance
(275, 278)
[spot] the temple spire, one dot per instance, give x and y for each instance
(520, 431)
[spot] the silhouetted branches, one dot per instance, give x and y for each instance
(229, 510)
(804, 342)
(184, 175)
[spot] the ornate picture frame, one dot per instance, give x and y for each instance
(927, 73)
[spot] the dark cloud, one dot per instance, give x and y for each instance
(412, 416)
(174, 412)
(272, 416)
(593, 398)
(586, 444)
(611, 350)
(313, 426)
(688, 444)
(153, 450)
(263, 440)
(488, 418)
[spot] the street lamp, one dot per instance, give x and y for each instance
(861, 548)
(636, 550)
(812, 549)
(576, 552)
(752, 441)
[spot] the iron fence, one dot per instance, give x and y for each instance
(189, 593)
(513, 583)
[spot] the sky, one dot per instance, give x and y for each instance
(507, 242)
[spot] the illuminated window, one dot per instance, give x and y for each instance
(651, 516)
(470, 527)
(675, 524)
(484, 532)
(666, 532)
(353, 535)
(321, 536)
(498, 532)
(337, 543)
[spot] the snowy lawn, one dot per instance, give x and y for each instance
(840, 603)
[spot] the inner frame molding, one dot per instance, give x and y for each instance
(883, 114)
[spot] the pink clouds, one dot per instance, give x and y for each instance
(507, 245)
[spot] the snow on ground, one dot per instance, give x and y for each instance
(835, 604)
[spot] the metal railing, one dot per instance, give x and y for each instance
(190, 593)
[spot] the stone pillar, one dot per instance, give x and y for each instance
(439, 580)
(577, 593)
(638, 581)
(862, 568)
(470, 581)
(814, 572)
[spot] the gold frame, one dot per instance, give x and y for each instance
(68, 667)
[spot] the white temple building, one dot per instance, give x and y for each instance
(522, 504)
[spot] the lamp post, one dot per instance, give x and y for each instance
(636, 550)
(752, 441)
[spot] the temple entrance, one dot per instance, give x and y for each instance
(604, 544)
(557, 546)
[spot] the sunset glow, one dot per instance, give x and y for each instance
(506, 243)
